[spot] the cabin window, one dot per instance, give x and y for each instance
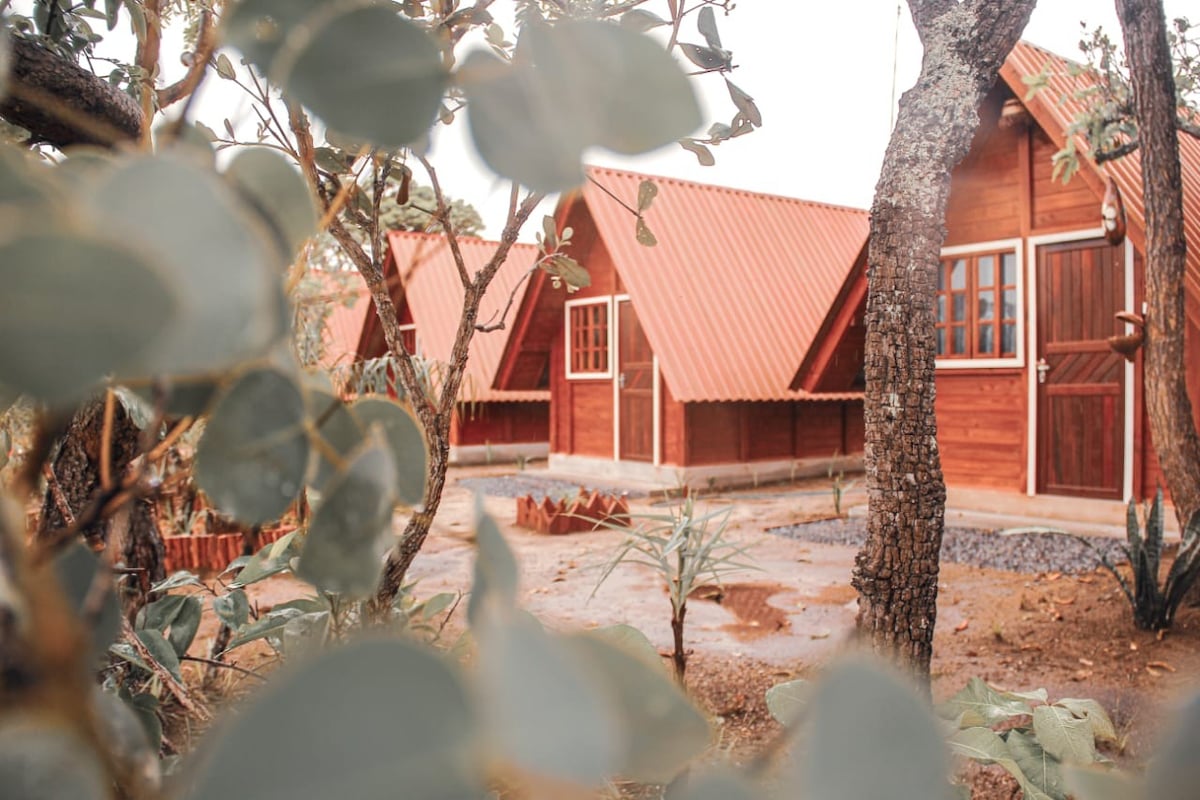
(979, 307)
(588, 339)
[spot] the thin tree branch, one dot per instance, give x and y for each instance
(443, 216)
(212, 662)
(177, 689)
(147, 60)
(186, 86)
(1113, 153)
(489, 326)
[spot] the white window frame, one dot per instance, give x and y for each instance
(607, 302)
(416, 337)
(1017, 247)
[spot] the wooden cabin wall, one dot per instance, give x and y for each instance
(501, 423)
(983, 428)
(673, 419)
(722, 433)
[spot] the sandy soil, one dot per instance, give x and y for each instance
(1071, 634)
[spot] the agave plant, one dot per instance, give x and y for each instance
(1154, 607)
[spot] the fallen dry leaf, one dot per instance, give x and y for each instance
(1087, 662)
(1053, 576)
(1086, 579)
(962, 626)
(1160, 665)
(1081, 675)
(820, 635)
(1133, 646)
(1062, 601)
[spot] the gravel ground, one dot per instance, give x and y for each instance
(1017, 552)
(521, 484)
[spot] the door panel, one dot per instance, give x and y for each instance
(635, 386)
(1081, 385)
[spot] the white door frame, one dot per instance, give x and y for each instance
(1032, 245)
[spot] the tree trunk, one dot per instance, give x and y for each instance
(896, 571)
(400, 557)
(1172, 426)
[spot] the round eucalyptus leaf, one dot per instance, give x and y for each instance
(340, 433)
(373, 720)
(78, 569)
(546, 714)
(720, 783)
(74, 308)
(662, 730)
(42, 762)
(278, 194)
(254, 453)
(859, 708)
(259, 27)
(349, 531)
(229, 272)
(403, 437)
(126, 735)
(389, 93)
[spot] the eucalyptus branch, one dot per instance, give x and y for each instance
(443, 216)
(186, 86)
(489, 326)
(1113, 153)
(148, 50)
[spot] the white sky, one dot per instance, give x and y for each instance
(821, 73)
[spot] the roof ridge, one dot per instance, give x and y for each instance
(590, 168)
(461, 237)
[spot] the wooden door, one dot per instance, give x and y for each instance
(1081, 382)
(635, 386)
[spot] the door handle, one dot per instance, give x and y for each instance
(621, 381)
(1042, 369)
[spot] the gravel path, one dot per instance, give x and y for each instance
(521, 484)
(1017, 552)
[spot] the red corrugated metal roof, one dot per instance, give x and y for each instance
(738, 285)
(349, 303)
(434, 294)
(1055, 107)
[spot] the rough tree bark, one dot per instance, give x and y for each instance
(1168, 406)
(896, 571)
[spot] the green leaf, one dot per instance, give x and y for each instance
(225, 67)
(75, 307)
(1174, 773)
(787, 701)
(721, 783)
(340, 432)
(305, 634)
(632, 641)
(645, 236)
(271, 559)
(389, 93)
(270, 625)
(232, 306)
(857, 708)
(145, 707)
(1092, 711)
(160, 650)
(232, 608)
(705, 57)
(987, 747)
(124, 734)
(568, 270)
(574, 85)
(535, 689)
(277, 193)
(254, 453)
(350, 530)
(1063, 736)
(640, 20)
(1042, 771)
(745, 104)
(495, 582)
(647, 191)
(980, 704)
(39, 761)
(703, 154)
(179, 613)
(176, 580)
(403, 437)
(1101, 783)
(706, 23)
(661, 730)
(403, 726)
(78, 570)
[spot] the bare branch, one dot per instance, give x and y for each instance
(186, 86)
(176, 688)
(1113, 153)
(147, 60)
(1189, 127)
(489, 326)
(443, 216)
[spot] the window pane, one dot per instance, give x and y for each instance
(958, 274)
(1010, 304)
(941, 286)
(941, 308)
(960, 308)
(1008, 268)
(987, 340)
(1008, 339)
(987, 305)
(987, 271)
(958, 340)
(941, 341)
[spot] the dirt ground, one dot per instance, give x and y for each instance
(1071, 634)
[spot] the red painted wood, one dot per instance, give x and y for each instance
(635, 382)
(1081, 404)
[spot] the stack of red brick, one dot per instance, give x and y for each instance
(204, 552)
(586, 512)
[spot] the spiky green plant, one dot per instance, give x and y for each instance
(684, 547)
(1154, 607)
